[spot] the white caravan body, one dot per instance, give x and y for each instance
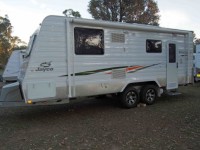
(196, 57)
(72, 57)
(12, 69)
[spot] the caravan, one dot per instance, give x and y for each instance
(12, 69)
(196, 63)
(69, 58)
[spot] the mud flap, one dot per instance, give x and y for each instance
(11, 96)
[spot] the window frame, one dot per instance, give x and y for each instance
(153, 50)
(89, 54)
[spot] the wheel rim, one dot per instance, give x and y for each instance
(150, 95)
(131, 97)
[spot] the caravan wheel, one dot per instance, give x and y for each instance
(129, 98)
(149, 94)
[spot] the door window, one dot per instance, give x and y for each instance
(172, 53)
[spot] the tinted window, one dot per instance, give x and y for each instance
(153, 46)
(30, 45)
(172, 53)
(88, 41)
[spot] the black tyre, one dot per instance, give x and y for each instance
(195, 79)
(149, 94)
(129, 98)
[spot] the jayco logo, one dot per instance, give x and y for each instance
(45, 66)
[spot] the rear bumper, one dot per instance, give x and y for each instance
(10, 95)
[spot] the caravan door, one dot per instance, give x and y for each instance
(172, 66)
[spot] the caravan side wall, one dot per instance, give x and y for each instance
(124, 60)
(132, 52)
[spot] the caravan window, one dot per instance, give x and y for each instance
(30, 45)
(88, 41)
(153, 46)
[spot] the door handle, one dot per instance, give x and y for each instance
(176, 64)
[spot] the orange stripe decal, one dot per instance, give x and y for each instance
(133, 68)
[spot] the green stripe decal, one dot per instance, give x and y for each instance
(109, 69)
(97, 71)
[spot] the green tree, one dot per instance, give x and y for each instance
(5, 37)
(132, 11)
(197, 41)
(7, 41)
(71, 13)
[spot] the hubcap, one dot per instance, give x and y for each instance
(131, 97)
(150, 95)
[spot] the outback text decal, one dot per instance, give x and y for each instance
(45, 66)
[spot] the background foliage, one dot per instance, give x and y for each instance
(131, 11)
(71, 13)
(8, 42)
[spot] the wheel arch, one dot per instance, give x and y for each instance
(140, 84)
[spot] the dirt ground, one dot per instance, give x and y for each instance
(173, 122)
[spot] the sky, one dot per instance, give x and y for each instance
(26, 15)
